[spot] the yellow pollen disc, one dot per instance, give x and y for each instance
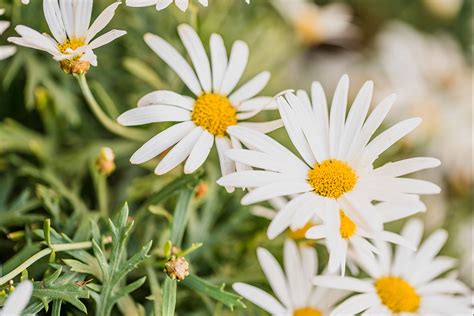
(347, 227)
(307, 311)
(332, 178)
(214, 113)
(397, 294)
(300, 233)
(72, 43)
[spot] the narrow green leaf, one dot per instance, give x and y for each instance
(169, 297)
(180, 216)
(217, 292)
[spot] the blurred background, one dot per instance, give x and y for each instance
(49, 140)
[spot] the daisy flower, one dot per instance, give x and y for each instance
(163, 4)
(5, 51)
(205, 118)
(336, 172)
(295, 294)
(73, 42)
(318, 24)
(17, 300)
(406, 284)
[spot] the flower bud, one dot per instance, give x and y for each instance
(177, 268)
(105, 161)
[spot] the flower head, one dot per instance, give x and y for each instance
(206, 117)
(18, 299)
(406, 283)
(336, 171)
(295, 294)
(177, 268)
(72, 42)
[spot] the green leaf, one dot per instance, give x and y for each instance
(180, 216)
(217, 292)
(169, 297)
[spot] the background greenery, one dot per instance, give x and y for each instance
(49, 141)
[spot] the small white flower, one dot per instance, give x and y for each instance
(405, 284)
(73, 40)
(25, 1)
(318, 24)
(205, 118)
(17, 300)
(336, 172)
(295, 294)
(5, 51)
(163, 4)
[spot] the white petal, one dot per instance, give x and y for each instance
(201, 150)
(259, 160)
(356, 118)
(314, 205)
(161, 142)
(162, 4)
(182, 4)
(259, 298)
(413, 231)
(238, 145)
(144, 3)
(198, 55)
(263, 127)
(168, 98)
(83, 14)
(179, 152)
(356, 304)
(387, 138)
(320, 109)
(101, 21)
(175, 61)
(438, 266)
(153, 114)
(283, 218)
(390, 212)
(344, 283)
(316, 232)
(254, 105)
(106, 38)
(18, 299)
(338, 114)
(67, 8)
(227, 165)
(274, 275)
(370, 126)
(7, 51)
(218, 60)
(251, 88)
(274, 190)
(446, 285)
(297, 282)
(237, 62)
(53, 17)
(407, 166)
(253, 178)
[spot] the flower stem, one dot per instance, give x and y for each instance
(43, 253)
(109, 124)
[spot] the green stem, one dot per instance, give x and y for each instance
(109, 124)
(43, 253)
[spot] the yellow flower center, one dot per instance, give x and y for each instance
(214, 112)
(397, 294)
(347, 227)
(332, 178)
(307, 311)
(72, 43)
(301, 232)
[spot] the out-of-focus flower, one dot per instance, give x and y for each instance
(17, 300)
(433, 80)
(5, 51)
(207, 117)
(73, 40)
(163, 4)
(25, 1)
(105, 161)
(406, 283)
(295, 294)
(318, 24)
(445, 9)
(336, 170)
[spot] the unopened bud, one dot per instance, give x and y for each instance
(75, 67)
(177, 268)
(105, 161)
(201, 190)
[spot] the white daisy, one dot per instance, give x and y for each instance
(205, 118)
(406, 284)
(336, 172)
(17, 300)
(295, 294)
(347, 238)
(73, 40)
(5, 51)
(163, 4)
(318, 24)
